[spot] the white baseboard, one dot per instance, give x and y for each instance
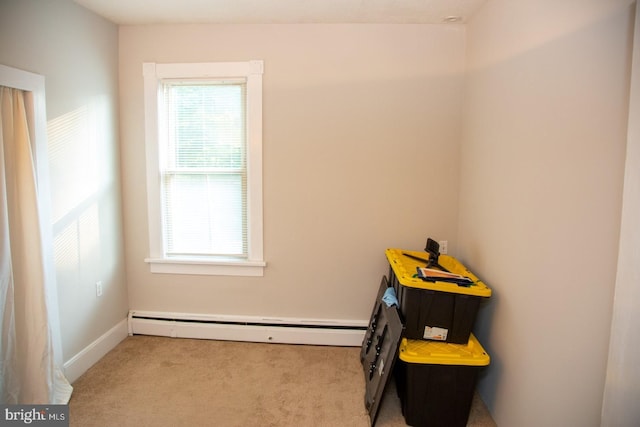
(81, 362)
(243, 328)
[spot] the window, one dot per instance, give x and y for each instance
(204, 167)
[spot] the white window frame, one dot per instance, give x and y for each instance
(252, 72)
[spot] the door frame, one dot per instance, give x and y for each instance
(35, 104)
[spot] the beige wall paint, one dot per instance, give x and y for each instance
(543, 152)
(352, 115)
(76, 51)
(361, 131)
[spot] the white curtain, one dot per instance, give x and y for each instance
(28, 374)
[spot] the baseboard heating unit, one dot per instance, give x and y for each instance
(248, 328)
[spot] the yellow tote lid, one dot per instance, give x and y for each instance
(405, 270)
(442, 353)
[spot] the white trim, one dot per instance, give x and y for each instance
(251, 71)
(248, 328)
(189, 266)
(204, 69)
(87, 357)
(20, 79)
(153, 154)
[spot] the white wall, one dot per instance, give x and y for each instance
(361, 131)
(622, 391)
(543, 152)
(76, 51)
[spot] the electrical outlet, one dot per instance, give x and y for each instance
(443, 246)
(99, 288)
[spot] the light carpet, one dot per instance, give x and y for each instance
(159, 381)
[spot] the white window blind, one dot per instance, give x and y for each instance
(204, 169)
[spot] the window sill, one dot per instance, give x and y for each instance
(207, 268)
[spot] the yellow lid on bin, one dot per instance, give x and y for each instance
(442, 353)
(405, 269)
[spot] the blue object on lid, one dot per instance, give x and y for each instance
(389, 297)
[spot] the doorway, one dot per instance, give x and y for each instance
(28, 294)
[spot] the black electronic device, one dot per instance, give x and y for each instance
(433, 248)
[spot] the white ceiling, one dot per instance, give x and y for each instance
(133, 12)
